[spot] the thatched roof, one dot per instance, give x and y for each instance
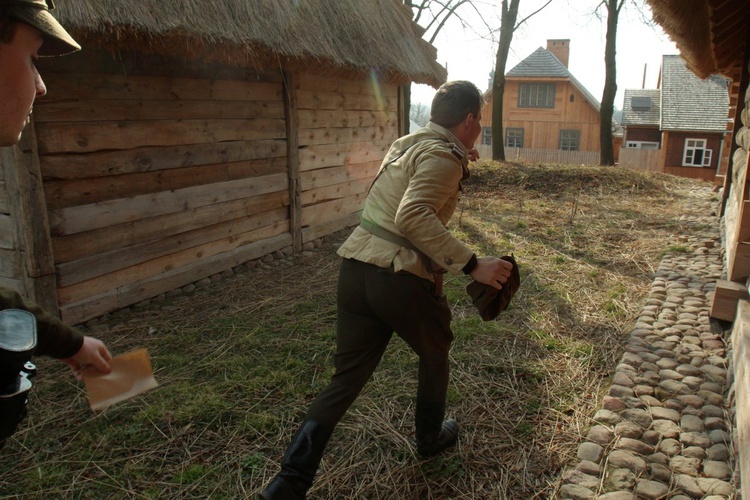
(350, 35)
(710, 34)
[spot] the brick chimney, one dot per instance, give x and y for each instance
(560, 49)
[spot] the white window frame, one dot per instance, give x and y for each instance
(695, 150)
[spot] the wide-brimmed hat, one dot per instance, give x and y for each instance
(36, 14)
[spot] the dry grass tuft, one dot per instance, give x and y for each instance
(238, 362)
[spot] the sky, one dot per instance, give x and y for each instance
(469, 53)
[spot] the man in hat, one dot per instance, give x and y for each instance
(391, 281)
(28, 31)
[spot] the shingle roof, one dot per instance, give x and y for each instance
(543, 63)
(689, 103)
(632, 116)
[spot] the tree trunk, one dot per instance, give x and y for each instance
(507, 26)
(607, 155)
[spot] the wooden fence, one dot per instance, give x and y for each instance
(544, 155)
(643, 160)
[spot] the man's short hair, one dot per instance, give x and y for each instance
(453, 101)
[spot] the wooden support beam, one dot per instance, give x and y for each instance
(726, 297)
(739, 264)
(29, 209)
(292, 155)
(741, 355)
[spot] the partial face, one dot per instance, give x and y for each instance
(474, 129)
(20, 82)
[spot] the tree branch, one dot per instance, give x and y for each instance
(532, 14)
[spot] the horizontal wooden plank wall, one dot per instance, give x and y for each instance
(156, 179)
(345, 130)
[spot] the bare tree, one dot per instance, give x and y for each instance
(508, 26)
(434, 14)
(420, 114)
(610, 82)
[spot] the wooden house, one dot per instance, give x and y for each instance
(712, 36)
(641, 112)
(685, 119)
(185, 140)
(545, 106)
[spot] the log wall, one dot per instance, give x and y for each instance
(157, 174)
(736, 210)
(345, 130)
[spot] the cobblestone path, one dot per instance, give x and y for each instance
(664, 429)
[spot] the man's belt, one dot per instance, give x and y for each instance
(381, 232)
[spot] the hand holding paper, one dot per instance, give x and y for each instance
(131, 375)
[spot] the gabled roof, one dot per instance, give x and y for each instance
(376, 36)
(639, 115)
(543, 64)
(689, 103)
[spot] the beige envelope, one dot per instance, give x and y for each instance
(131, 375)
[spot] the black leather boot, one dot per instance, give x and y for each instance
(300, 463)
(433, 435)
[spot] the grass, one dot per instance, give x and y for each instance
(239, 362)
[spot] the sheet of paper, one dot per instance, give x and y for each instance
(131, 375)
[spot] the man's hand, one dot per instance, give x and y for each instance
(94, 353)
(473, 154)
(492, 271)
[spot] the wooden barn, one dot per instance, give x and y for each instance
(188, 138)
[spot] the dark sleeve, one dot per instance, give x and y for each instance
(54, 338)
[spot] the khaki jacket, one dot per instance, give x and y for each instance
(415, 197)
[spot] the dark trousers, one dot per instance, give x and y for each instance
(373, 303)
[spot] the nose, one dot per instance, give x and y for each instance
(41, 88)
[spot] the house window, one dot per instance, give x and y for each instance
(487, 136)
(570, 140)
(514, 137)
(536, 95)
(641, 145)
(696, 154)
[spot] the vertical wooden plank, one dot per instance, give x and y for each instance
(292, 155)
(741, 355)
(29, 211)
(741, 105)
(404, 107)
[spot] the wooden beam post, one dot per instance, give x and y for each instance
(28, 207)
(292, 155)
(726, 296)
(741, 362)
